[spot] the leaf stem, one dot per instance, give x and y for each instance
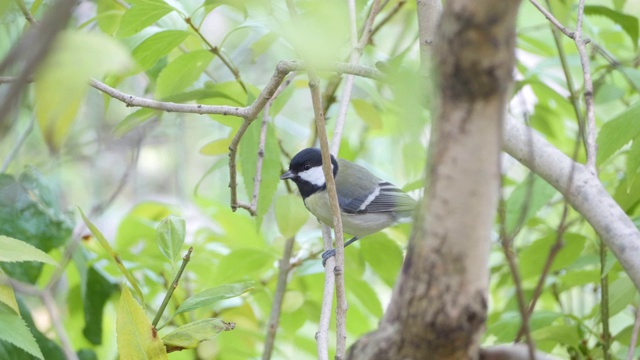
(174, 285)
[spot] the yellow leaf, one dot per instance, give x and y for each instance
(216, 147)
(137, 338)
(6, 294)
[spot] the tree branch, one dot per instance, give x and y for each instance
(586, 195)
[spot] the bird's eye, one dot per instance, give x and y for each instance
(307, 166)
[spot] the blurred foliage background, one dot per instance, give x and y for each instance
(67, 146)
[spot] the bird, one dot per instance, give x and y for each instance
(367, 203)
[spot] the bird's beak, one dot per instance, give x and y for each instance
(287, 175)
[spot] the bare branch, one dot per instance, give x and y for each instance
(511, 352)
(337, 220)
(634, 335)
(322, 336)
(31, 49)
(586, 195)
(278, 296)
(590, 140)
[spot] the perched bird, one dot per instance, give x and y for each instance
(367, 203)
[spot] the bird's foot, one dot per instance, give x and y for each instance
(326, 255)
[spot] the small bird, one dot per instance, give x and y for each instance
(367, 203)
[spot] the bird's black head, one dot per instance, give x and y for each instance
(305, 170)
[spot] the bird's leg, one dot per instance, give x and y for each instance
(332, 252)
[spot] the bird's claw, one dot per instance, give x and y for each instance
(326, 255)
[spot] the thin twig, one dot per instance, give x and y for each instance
(590, 140)
(356, 52)
(604, 301)
(327, 169)
(58, 325)
(26, 12)
(18, 145)
(387, 17)
(31, 49)
(174, 285)
(574, 97)
(322, 336)
(278, 296)
(261, 146)
(216, 51)
(507, 247)
(552, 19)
(634, 335)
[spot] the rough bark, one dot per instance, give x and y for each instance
(439, 304)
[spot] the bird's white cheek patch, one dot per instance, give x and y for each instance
(314, 176)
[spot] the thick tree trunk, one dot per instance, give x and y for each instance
(438, 308)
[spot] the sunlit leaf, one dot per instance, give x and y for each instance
(61, 81)
(16, 250)
(368, 113)
(633, 162)
(157, 45)
(108, 15)
(628, 23)
(170, 236)
(242, 264)
(14, 330)
(216, 147)
(213, 295)
(142, 14)
(190, 335)
(7, 296)
(562, 334)
(617, 132)
(291, 214)
(137, 338)
(182, 72)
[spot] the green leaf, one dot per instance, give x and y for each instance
(134, 119)
(270, 175)
(30, 210)
(16, 250)
(170, 237)
(7, 296)
(525, 201)
(633, 162)
(137, 338)
(291, 214)
(263, 44)
(158, 45)
(617, 132)
(562, 334)
(190, 335)
(97, 293)
(530, 257)
(242, 263)
(213, 295)
(142, 14)
(383, 255)
(368, 113)
(14, 330)
(216, 147)
(61, 81)
(116, 258)
(628, 23)
(108, 16)
(182, 72)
